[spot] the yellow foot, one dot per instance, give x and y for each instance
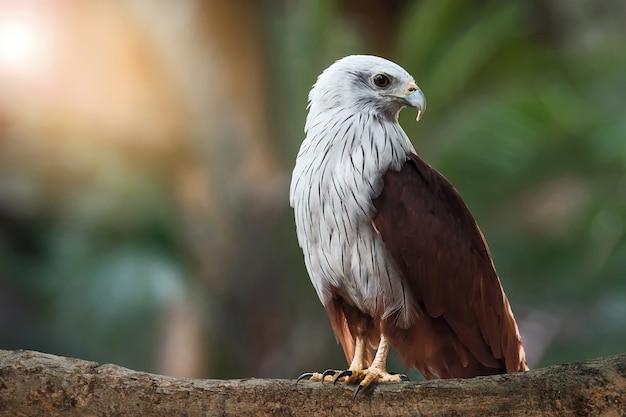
(328, 375)
(366, 377)
(363, 377)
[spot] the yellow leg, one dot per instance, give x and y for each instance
(377, 372)
(359, 354)
(380, 360)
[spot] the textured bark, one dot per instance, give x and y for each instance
(37, 384)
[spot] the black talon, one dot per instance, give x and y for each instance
(356, 391)
(328, 372)
(347, 372)
(304, 375)
(402, 377)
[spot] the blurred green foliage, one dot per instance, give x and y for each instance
(526, 120)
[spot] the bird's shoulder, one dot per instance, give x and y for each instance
(423, 205)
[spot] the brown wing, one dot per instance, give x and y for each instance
(465, 327)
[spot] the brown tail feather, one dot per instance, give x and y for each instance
(431, 346)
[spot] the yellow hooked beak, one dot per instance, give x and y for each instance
(415, 98)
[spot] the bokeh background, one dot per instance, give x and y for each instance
(146, 149)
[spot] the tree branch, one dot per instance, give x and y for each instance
(38, 384)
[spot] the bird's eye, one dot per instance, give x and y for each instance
(381, 80)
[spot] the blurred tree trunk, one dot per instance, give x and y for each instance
(37, 384)
(224, 168)
(234, 32)
(379, 21)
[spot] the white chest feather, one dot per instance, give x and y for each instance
(339, 170)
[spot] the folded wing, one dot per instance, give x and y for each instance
(465, 327)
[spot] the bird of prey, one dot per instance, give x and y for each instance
(392, 250)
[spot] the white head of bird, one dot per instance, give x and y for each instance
(369, 83)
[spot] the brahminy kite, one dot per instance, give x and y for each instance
(392, 250)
